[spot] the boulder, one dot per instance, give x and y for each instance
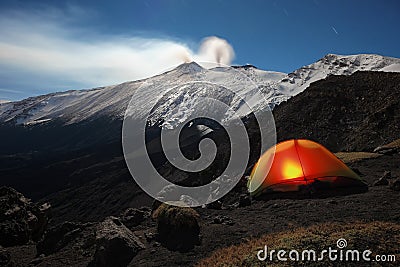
(20, 219)
(63, 235)
(107, 243)
(116, 245)
(178, 228)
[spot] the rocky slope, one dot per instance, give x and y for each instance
(21, 220)
(355, 113)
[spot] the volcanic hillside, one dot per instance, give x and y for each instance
(345, 113)
(357, 112)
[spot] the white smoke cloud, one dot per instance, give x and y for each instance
(217, 50)
(41, 49)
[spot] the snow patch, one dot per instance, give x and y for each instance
(29, 123)
(391, 68)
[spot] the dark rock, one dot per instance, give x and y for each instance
(218, 220)
(133, 217)
(241, 186)
(244, 200)
(233, 206)
(116, 245)
(221, 219)
(5, 258)
(383, 180)
(20, 219)
(357, 171)
(216, 205)
(149, 236)
(60, 236)
(177, 227)
(37, 260)
(395, 185)
(43, 215)
(387, 175)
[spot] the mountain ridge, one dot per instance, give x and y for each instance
(79, 105)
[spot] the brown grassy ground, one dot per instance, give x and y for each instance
(382, 238)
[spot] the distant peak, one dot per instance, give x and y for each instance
(335, 56)
(330, 57)
(189, 67)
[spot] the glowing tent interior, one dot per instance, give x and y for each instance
(295, 165)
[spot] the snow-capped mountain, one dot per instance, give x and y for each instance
(331, 64)
(111, 101)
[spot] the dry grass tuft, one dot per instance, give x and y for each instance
(175, 212)
(394, 144)
(350, 157)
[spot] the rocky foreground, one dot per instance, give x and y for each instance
(163, 236)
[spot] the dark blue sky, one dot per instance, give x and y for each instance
(272, 35)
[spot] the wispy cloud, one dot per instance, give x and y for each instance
(10, 91)
(286, 12)
(47, 44)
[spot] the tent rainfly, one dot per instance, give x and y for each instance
(295, 165)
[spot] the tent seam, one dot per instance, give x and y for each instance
(298, 156)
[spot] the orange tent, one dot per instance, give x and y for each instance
(294, 165)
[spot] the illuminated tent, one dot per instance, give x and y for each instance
(297, 165)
